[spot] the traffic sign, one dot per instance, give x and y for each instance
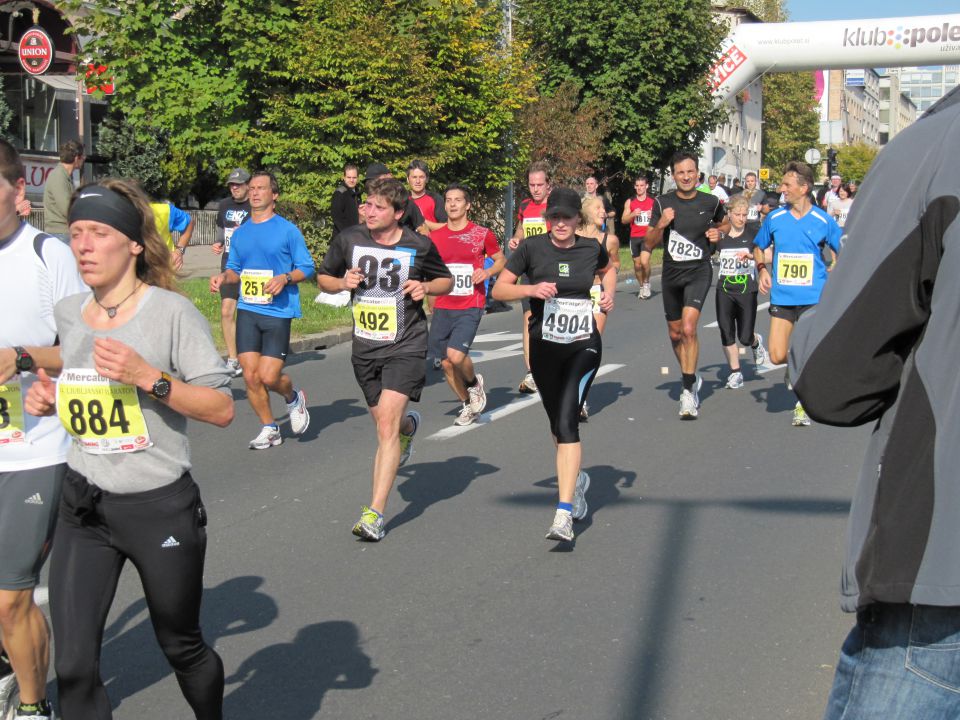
(764, 173)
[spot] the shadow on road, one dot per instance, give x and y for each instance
(323, 416)
(131, 658)
(425, 484)
(604, 394)
(290, 680)
(777, 398)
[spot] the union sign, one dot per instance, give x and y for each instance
(36, 51)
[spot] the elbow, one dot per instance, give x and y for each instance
(224, 415)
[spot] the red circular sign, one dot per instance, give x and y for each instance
(36, 51)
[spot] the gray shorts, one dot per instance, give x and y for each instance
(29, 500)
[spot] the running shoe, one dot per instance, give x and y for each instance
(688, 406)
(584, 412)
(268, 437)
(406, 441)
(34, 711)
(466, 416)
(800, 417)
(528, 384)
(735, 380)
(299, 415)
(8, 689)
(233, 367)
(580, 496)
(477, 396)
(369, 526)
(759, 352)
(562, 528)
(437, 363)
(645, 291)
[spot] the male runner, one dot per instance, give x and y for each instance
(687, 221)
(464, 247)
(36, 272)
(531, 220)
(231, 214)
(389, 269)
(430, 204)
(268, 257)
(636, 214)
(797, 233)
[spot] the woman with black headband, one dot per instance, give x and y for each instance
(138, 360)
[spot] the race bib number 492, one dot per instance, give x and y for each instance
(375, 319)
(11, 414)
(102, 415)
(795, 269)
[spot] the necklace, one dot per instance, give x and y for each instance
(112, 311)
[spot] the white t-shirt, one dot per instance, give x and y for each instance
(30, 287)
(720, 193)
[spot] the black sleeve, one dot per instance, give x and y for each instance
(219, 222)
(344, 211)
(335, 261)
(603, 257)
(720, 213)
(412, 217)
(439, 211)
(655, 212)
(433, 265)
(519, 261)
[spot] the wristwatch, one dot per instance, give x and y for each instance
(24, 361)
(289, 278)
(161, 388)
(182, 249)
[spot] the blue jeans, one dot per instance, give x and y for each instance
(900, 662)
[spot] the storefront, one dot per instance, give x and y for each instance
(48, 103)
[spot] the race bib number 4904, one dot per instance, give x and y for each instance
(252, 287)
(11, 414)
(682, 250)
(567, 320)
(375, 319)
(102, 415)
(795, 269)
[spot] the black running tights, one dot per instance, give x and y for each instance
(563, 374)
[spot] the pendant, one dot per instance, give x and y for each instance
(111, 312)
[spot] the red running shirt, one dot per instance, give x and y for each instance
(464, 251)
(638, 228)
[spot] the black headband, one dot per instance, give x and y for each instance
(103, 205)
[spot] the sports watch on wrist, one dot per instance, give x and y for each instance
(24, 360)
(161, 388)
(289, 278)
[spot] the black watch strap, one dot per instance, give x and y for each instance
(24, 360)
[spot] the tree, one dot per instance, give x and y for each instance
(566, 132)
(791, 123)
(854, 161)
(6, 114)
(651, 73)
(133, 155)
(409, 79)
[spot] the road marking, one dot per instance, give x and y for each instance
(508, 409)
(479, 356)
(761, 306)
(766, 367)
(503, 336)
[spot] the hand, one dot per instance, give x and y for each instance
(120, 362)
(177, 259)
(217, 248)
(480, 276)
(215, 282)
(606, 302)
(542, 291)
(764, 281)
(352, 279)
(415, 289)
(24, 208)
(275, 284)
(41, 399)
(744, 256)
(514, 243)
(713, 235)
(666, 218)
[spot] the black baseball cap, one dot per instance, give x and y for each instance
(375, 170)
(563, 202)
(238, 177)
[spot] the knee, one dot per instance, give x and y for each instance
(388, 428)
(676, 333)
(226, 313)
(184, 652)
(688, 331)
(270, 378)
(14, 606)
(251, 377)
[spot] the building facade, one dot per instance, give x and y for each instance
(926, 85)
(849, 106)
(897, 110)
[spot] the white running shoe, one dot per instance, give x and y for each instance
(233, 366)
(299, 415)
(688, 405)
(580, 496)
(528, 384)
(9, 696)
(800, 417)
(562, 528)
(735, 380)
(466, 416)
(696, 391)
(268, 437)
(477, 396)
(759, 352)
(645, 291)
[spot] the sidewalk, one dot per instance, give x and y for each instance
(200, 261)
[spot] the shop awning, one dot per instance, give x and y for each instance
(59, 82)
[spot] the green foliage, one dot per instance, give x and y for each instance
(566, 132)
(647, 60)
(313, 223)
(6, 113)
(791, 121)
(854, 161)
(134, 155)
(393, 80)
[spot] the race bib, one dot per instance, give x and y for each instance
(682, 250)
(11, 414)
(595, 293)
(731, 264)
(252, 284)
(567, 320)
(227, 234)
(643, 218)
(842, 220)
(462, 279)
(102, 415)
(534, 226)
(753, 213)
(795, 269)
(375, 318)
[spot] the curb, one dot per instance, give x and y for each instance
(330, 338)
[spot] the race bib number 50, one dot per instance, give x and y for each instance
(795, 269)
(462, 279)
(11, 414)
(567, 320)
(102, 415)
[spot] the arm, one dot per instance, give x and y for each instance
(47, 358)
(660, 219)
(627, 217)
(507, 290)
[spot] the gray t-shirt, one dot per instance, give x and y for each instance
(171, 335)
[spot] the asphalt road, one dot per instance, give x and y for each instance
(703, 583)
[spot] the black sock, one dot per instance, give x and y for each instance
(472, 383)
(689, 380)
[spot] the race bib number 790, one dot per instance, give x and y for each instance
(795, 269)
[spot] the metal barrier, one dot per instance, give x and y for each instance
(204, 225)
